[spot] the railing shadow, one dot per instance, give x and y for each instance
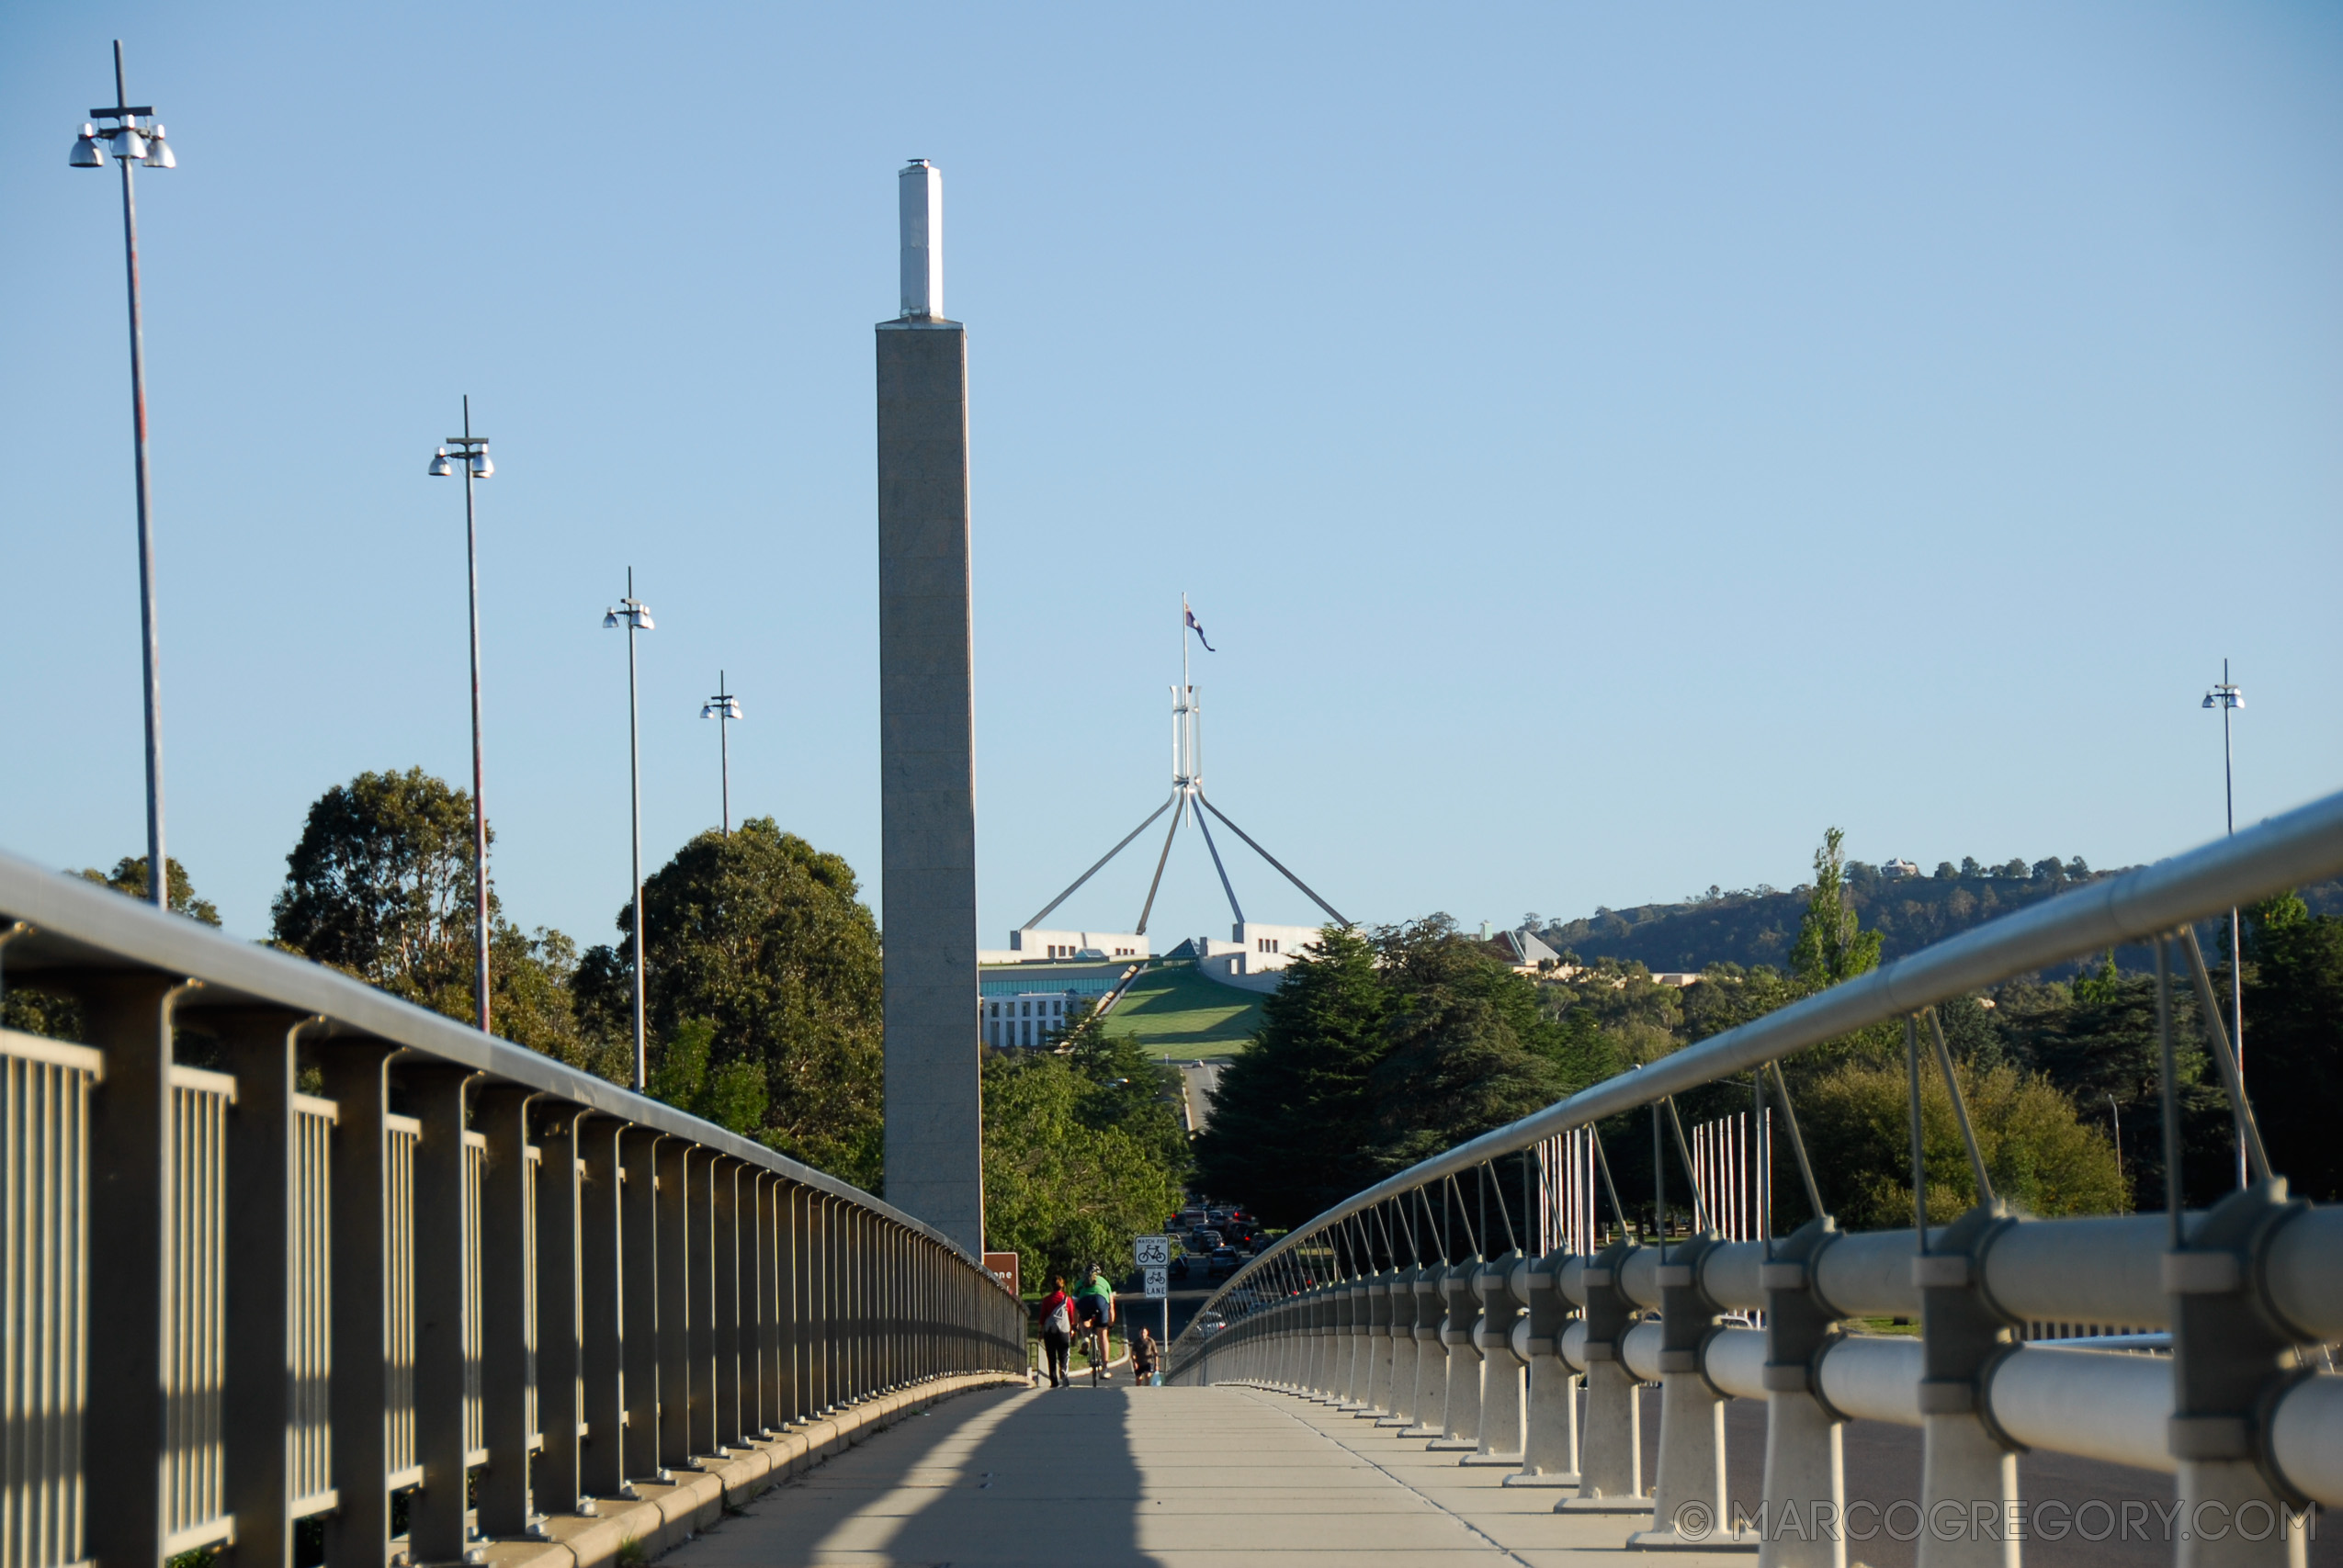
(987, 1479)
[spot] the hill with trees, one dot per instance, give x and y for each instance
(1753, 926)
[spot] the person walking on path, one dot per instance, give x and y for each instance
(1094, 1300)
(1143, 1356)
(1056, 1329)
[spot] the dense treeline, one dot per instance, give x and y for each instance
(1755, 926)
(1377, 1050)
(1083, 1150)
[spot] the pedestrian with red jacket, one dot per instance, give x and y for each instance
(1057, 1328)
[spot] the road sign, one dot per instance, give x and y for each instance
(1158, 1281)
(1151, 1251)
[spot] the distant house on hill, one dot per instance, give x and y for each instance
(1527, 952)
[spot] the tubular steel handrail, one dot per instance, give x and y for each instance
(2303, 846)
(1380, 1306)
(230, 1306)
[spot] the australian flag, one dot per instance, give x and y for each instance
(1197, 627)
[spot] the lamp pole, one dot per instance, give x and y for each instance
(2229, 698)
(132, 141)
(723, 707)
(634, 616)
(471, 455)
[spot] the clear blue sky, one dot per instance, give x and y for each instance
(1607, 444)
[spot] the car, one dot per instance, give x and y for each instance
(1223, 1261)
(1178, 1270)
(1204, 1240)
(1209, 1324)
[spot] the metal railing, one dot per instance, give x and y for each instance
(463, 1283)
(1374, 1307)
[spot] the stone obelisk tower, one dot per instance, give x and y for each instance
(927, 739)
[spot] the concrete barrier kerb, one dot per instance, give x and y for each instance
(667, 1517)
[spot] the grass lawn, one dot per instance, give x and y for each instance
(1176, 1012)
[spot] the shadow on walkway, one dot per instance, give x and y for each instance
(988, 1479)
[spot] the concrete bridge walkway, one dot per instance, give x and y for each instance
(1169, 1477)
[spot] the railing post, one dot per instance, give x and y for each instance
(125, 1443)
(1692, 1410)
(1500, 1377)
(675, 1391)
(699, 1263)
(263, 1184)
(1611, 1457)
(1966, 1465)
(507, 1333)
(1460, 1422)
(1337, 1320)
(1550, 1435)
(560, 1360)
(602, 1466)
(2231, 1355)
(1377, 1394)
(788, 1256)
(1401, 1397)
(756, 1258)
(436, 1532)
(357, 1074)
(820, 1322)
(1804, 1472)
(642, 1259)
(1432, 1355)
(838, 1228)
(725, 1320)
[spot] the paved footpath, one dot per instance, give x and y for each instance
(1172, 1477)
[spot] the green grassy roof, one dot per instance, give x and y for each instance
(1176, 1012)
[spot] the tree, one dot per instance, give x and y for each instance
(380, 887)
(1290, 1127)
(1373, 1053)
(1467, 1045)
(2295, 1042)
(1060, 1190)
(58, 1017)
(2043, 1159)
(128, 875)
(766, 938)
(1129, 1089)
(1833, 945)
(732, 1096)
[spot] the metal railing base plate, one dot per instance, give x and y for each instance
(1668, 1541)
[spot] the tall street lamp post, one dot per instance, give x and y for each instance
(723, 707)
(135, 138)
(471, 456)
(2229, 698)
(634, 616)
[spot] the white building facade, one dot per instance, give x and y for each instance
(1036, 945)
(1256, 951)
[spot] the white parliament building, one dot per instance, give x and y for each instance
(1026, 990)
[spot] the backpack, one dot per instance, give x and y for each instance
(1059, 1321)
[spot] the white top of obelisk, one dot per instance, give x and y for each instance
(919, 188)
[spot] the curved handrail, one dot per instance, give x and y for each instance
(2302, 845)
(77, 924)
